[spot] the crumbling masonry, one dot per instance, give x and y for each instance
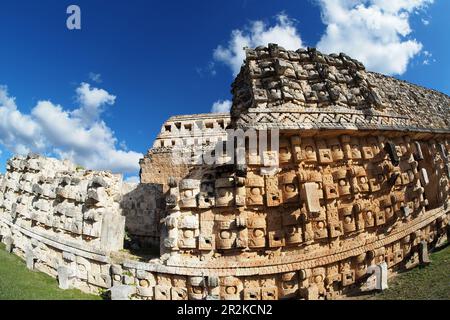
(358, 189)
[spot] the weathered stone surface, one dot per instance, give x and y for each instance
(332, 92)
(143, 205)
(378, 279)
(122, 292)
(30, 258)
(323, 195)
(423, 253)
(48, 212)
(65, 277)
(8, 241)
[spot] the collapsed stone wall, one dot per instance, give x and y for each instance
(46, 195)
(67, 221)
(64, 221)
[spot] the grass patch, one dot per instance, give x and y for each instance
(430, 282)
(19, 283)
(422, 283)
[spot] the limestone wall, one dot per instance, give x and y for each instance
(181, 135)
(326, 190)
(143, 206)
(196, 129)
(67, 221)
(336, 207)
(270, 238)
(50, 196)
(158, 165)
(359, 187)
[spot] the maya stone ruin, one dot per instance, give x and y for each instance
(358, 189)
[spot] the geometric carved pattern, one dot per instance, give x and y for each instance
(329, 118)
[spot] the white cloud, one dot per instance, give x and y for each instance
(80, 135)
(208, 70)
(376, 32)
(425, 22)
(258, 33)
(428, 58)
(221, 106)
(398, 5)
(92, 101)
(372, 31)
(19, 133)
(95, 77)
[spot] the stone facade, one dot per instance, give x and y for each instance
(358, 188)
(352, 197)
(184, 134)
(62, 220)
(143, 206)
(197, 129)
(306, 89)
(67, 222)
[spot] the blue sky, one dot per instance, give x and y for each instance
(136, 63)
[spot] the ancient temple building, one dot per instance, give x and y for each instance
(183, 133)
(356, 188)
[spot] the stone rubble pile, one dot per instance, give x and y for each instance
(48, 195)
(67, 221)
